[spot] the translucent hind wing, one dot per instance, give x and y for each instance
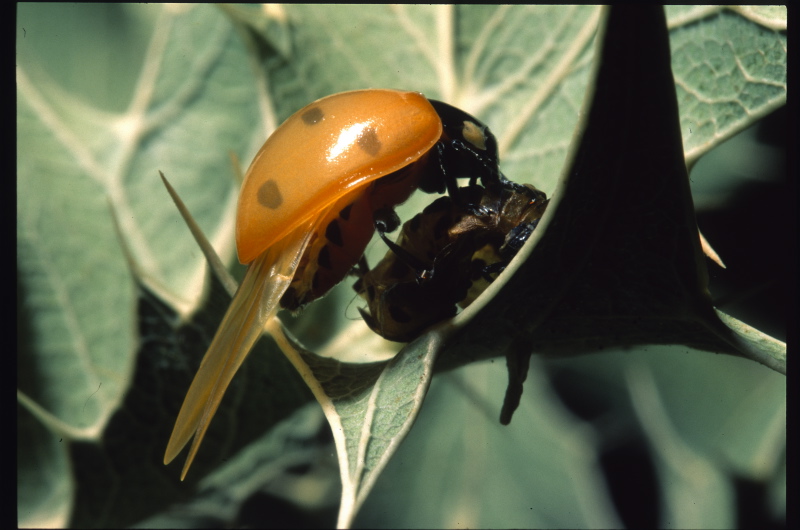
(256, 301)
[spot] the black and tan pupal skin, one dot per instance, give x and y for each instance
(445, 256)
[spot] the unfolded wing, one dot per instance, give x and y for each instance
(256, 301)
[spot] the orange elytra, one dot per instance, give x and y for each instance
(309, 205)
(337, 144)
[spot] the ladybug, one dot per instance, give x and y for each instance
(310, 203)
(445, 257)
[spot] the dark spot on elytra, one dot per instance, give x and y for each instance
(315, 282)
(334, 233)
(345, 212)
(269, 195)
(324, 258)
(369, 142)
(371, 292)
(312, 116)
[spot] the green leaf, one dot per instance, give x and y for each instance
(725, 83)
(44, 488)
(85, 156)
(370, 408)
(109, 95)
(538, 472)
(266, 465)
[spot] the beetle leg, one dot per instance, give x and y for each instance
(441, 178)
(446, 151)
(458, 154)
(386, 220)
(361, 268)
(494, 268)
(413, 262)
(437, 179)
(511, 185)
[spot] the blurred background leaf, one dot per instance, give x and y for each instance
(115, 311)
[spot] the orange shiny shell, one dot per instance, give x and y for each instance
(324, 150)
